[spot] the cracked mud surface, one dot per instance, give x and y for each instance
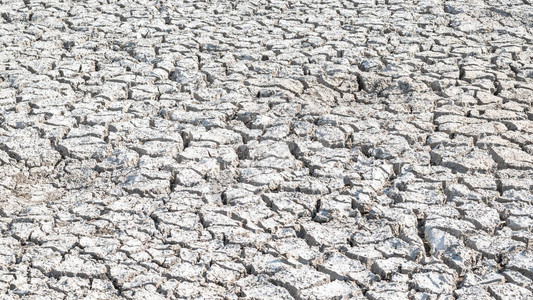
(266, 149)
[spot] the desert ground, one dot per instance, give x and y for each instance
(264, 149)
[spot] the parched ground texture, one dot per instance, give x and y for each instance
(363, 149)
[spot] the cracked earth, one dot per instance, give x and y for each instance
(363, 149)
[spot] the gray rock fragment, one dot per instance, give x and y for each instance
(297, 280)
(509, 291)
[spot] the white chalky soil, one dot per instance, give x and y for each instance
(362, 149)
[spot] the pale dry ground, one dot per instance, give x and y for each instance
(266, 149)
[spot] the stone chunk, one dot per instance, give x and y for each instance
(222, 274)
(297, 280)
(159, 148)
(333, 290)
(84, 148)
(457, 228)
(472, 293)
(511, 158)
(261, 177)
(482, 216)
(463, 159)
(365, 254)
(295, 248)
(120, 158)
(340, 267)
(509, 291)
(329, 234)
(520, 223)
(433, 282)
(218, 136)
(522, 262)
(265, 149)
(400, 248)
(79, 266)
(386, 268)
(258, 287)
(187, 271)
(480, 182)
(330, 136)
(388, 291)
(144, 185)
(35, 152)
